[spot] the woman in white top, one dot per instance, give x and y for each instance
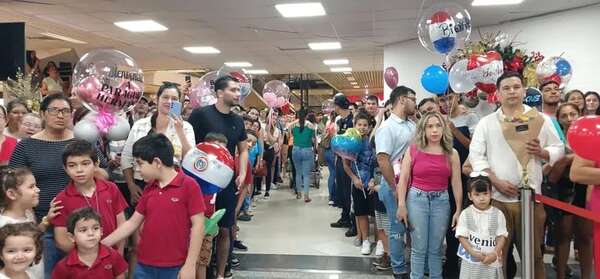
(179, 132)
(52, 82)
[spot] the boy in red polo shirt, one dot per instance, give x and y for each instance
(89, 259)
(172, 211)
(80, 161)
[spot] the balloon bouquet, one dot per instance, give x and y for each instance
(276, 95)
(109, 83)
(348, 145)
(203, 93)
(441, 28)
(212, 166)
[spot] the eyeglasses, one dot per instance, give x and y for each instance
(31, 125)
(56, 111)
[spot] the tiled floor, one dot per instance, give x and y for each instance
(289, 238)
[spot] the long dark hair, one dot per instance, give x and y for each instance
(301, 114)
(166, 85)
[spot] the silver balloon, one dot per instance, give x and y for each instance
(86, 130)
(120, 130)
(459, 77)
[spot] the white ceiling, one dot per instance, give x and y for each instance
(245, 30)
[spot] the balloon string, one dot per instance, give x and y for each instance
(358, 173)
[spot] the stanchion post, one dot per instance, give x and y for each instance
(527, 232)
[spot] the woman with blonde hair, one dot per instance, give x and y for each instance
(423, 200)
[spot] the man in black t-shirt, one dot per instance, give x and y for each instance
(218, 118)
(342, 180)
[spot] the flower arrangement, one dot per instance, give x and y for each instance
(514, 58)
(25, 90)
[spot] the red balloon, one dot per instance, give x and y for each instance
(485, 69)
(391, 77)
(584, 137)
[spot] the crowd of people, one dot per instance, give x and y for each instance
(438, 179)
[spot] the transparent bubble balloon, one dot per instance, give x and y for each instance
(108, 81)
(554, 68)
(244, 79)
(443, 27)
(203, 92)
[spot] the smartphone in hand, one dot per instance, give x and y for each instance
(175, 109)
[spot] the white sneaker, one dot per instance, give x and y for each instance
(366, 248)
(274, 187)
(379, 248)
(330, 203)
(357, 242)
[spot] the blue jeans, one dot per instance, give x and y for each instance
(304, 159)
(143, 271)
(330, 159)
(52, 255)
(428, 216)
(397, 230)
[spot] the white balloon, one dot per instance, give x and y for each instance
(459, 78)
(86, 130)
(120, 130)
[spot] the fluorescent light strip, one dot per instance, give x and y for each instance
(63, 38)
(141, 26)
(357, 87)
(301, 9)
(350, 78)
(495, 2)
(202, 50)
(341, 69)
(256, 71)
(331, 62)
(325, 45)
(238, 64)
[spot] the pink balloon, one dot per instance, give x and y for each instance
(270, 99)
(203, 93)
(391, 77)
(281, 101)
(88, 88)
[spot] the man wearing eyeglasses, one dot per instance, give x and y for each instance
(391, 141)
(514, 136)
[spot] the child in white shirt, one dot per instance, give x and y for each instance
(481, 231)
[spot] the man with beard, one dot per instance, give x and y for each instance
(140, 110)
(391, 141)
(372, 105)
(218, 118)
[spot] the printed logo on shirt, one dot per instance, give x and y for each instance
(174, 199)
(108, 266)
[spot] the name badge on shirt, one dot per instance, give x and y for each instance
(522, 128)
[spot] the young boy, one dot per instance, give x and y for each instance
(361, 173)
(80, 161)
(481, 231)
(246, 199)
(89, 259)
(172, 212)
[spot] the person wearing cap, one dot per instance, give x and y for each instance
(140, 110)
(342, 180)
(550, 89)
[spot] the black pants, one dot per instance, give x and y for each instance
(342, 190)
(291, 162)
(269, 157)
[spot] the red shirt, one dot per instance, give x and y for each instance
(108, 264)
(7, 148)
(248, 178)
(107, 200)
(165, 237)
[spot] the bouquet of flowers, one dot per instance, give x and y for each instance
(25, 90)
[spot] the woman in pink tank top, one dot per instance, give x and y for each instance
(423, 200)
